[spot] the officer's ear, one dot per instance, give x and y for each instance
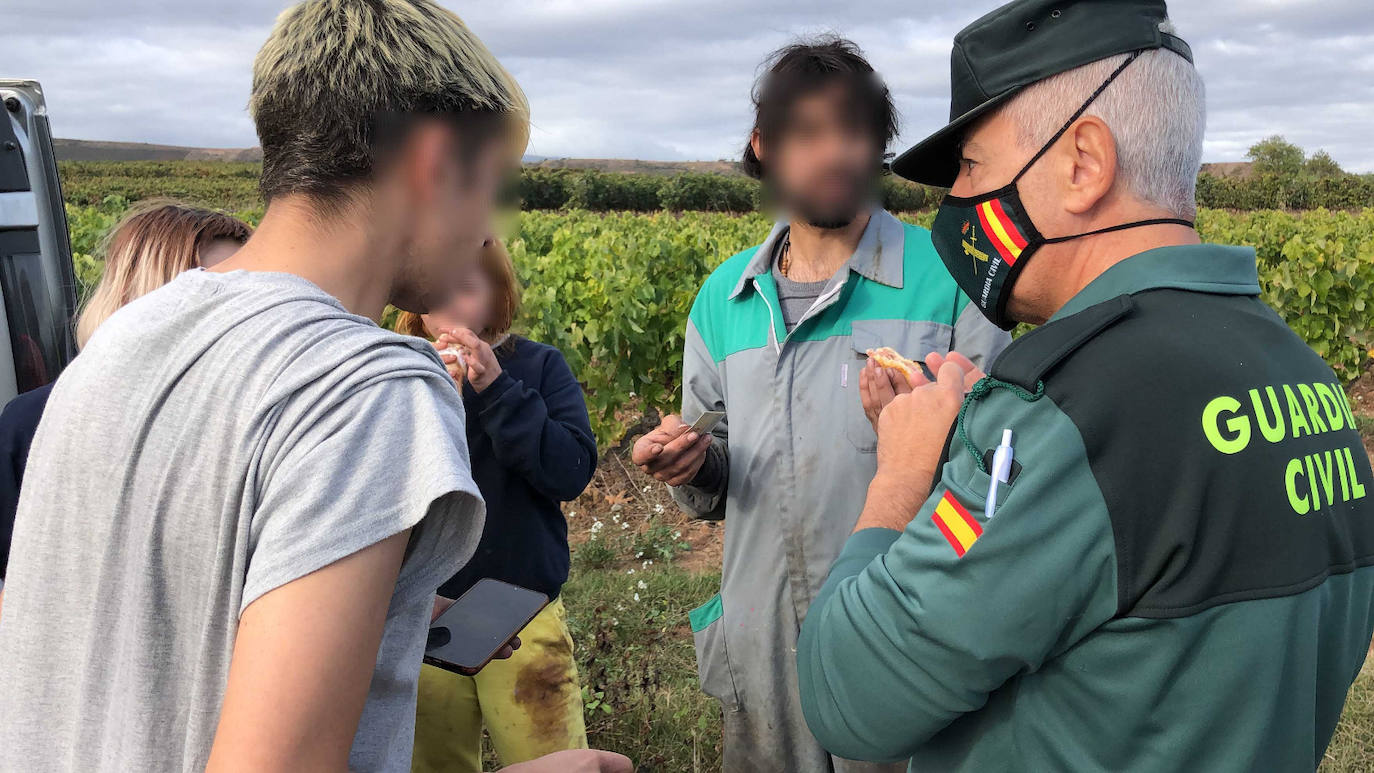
(1088, 164)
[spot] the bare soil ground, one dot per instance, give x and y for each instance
(619, 488)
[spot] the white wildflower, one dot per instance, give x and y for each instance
(642, 585)
(636, 597)
(658, 509)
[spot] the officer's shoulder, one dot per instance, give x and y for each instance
(1116, 340)
(1036, 355)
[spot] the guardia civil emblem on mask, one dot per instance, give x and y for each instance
(971, 243)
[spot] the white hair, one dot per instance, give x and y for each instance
(1156, 110)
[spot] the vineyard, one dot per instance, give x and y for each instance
(612, 291)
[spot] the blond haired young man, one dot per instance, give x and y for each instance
(244, 492)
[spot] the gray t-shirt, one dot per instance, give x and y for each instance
(217, 439)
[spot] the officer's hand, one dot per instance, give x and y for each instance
(576, 761)
(670, 452)
(936, 360)
(878, 386)
(913, 427)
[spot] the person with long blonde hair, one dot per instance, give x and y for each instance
(153, 243)
(149, 246)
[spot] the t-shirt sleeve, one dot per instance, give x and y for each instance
(390, 455)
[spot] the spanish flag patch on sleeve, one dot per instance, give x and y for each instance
(954, 521)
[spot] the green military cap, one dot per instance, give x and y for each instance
(1021, 43)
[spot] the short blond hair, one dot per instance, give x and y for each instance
(153, 243)
(333, 71)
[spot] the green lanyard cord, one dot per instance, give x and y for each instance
(980, 390)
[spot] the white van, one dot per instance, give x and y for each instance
(37, 282)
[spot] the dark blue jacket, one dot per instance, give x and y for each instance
(18, 423)
(532, 447)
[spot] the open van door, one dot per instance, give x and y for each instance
(37, 281)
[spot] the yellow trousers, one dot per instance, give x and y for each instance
(531, 704)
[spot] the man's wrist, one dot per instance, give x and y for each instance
(708, 474)
(893, 501)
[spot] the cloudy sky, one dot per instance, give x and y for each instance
(670, 79)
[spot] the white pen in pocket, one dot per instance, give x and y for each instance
(1000, 472)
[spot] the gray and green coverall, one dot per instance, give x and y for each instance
(798, 454)
(1179, 575)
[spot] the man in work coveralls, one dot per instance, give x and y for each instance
(777, 339)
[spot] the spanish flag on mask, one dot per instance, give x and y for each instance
(954, 521)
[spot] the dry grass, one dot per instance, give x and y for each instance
(1352, 748)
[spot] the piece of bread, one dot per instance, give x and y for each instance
(887, 357)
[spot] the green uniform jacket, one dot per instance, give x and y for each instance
(1178, 576)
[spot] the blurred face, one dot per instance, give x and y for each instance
(823, 164)
(451, 200)
(469, 306)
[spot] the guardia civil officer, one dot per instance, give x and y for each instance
(1175, 573)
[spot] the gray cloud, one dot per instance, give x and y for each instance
(670, 79)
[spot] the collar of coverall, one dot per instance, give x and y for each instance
(878, 257)
(1204, 268)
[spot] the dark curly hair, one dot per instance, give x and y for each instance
(808, 66)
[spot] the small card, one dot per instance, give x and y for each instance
(707, 422)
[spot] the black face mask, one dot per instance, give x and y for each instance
(986, 240)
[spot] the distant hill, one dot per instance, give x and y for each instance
(642, 167)
(93, 150)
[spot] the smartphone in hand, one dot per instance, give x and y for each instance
(469, 633)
